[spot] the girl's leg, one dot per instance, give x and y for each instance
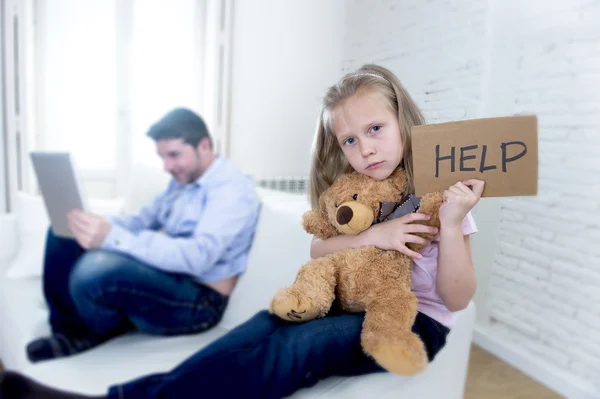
(432, 333)
(269, 358)
(263, 358)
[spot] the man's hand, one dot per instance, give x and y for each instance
(88, 229)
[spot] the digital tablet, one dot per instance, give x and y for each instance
(60, 187)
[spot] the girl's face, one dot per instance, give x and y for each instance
(369, 134)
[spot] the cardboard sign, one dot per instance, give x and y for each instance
(501, 151)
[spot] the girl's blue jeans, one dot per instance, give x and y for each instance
(266, 357)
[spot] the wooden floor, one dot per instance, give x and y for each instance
(491, 378)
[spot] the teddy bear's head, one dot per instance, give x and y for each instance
(353, 203)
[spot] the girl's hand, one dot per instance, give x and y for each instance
(459, 199)
(395, 234)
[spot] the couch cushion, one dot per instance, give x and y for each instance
(280, 247)
(279, 234)
(32, 226)
(32, 223)
(9, 240)
(23, 316)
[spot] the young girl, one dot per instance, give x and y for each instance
(364, 126)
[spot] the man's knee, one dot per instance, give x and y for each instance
(94, 271)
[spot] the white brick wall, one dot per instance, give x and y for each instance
(544, 296)
(558, 59)
(435, 52)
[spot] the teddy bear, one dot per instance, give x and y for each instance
(366, 279)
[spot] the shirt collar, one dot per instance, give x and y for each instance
(211, 174)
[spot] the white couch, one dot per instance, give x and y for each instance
(280, 247)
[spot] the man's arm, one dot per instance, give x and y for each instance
(229, 211)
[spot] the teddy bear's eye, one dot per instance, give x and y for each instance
(336, 204)
(355, 197)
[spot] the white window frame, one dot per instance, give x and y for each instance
(124, 25)
(217, 75)
(112, 181)
(17, 118)
(3, 135)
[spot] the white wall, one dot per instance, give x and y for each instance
(538, 282)
(285, 55)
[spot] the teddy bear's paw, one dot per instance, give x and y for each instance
(406, 357)
(289, 305)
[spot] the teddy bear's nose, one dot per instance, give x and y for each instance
(344, 215)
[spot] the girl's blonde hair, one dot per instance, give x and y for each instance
(328, 161)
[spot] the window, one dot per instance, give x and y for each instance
(77, 81)
(166, 66)
(106, 70)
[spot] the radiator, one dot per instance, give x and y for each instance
(295, 185)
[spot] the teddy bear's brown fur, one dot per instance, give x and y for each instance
(363, 279)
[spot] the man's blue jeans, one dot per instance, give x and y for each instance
(96, 295)
(268, 358)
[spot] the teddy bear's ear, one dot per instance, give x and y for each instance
(322, 204)
(316, 223)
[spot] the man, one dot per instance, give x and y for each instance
(168, 270)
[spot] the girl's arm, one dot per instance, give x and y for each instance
(456, 276)
(393, 234)
(320, 247)
(456, 281)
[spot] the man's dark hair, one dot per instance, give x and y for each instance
(180, 123)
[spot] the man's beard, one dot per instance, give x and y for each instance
(194, 175)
